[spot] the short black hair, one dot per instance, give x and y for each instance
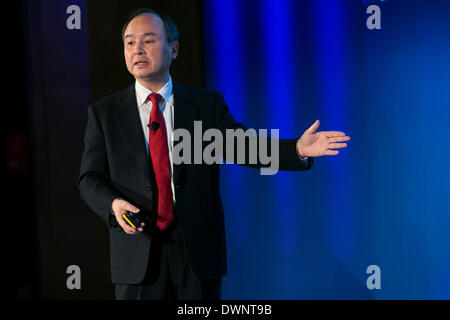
(170, 27)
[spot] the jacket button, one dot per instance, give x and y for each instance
(148, 189)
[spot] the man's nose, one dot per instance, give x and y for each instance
(139, 48)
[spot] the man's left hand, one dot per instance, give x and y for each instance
(317, 144)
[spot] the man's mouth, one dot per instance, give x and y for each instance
(141, 63)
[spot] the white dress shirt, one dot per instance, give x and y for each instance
(166, 105)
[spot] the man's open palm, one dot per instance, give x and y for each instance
(316, 144)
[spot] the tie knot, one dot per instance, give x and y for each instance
(155, 98)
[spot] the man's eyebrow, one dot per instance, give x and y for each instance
(145, 34)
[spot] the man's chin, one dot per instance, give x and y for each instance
(148, 77)
(142, 73)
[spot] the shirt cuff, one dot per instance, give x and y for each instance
(299, 156)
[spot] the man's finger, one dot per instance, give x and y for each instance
(337, 145)
(331, 152)
(141, 228)
(128, 207)
(314, 127)
(128, 229)
(340, 139)
(334, 134)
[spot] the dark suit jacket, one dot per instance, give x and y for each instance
(115, 165)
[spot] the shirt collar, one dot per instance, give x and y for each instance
(142, 92)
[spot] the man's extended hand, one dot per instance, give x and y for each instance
(120, 207)
(316, 144)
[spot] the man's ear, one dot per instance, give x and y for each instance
(174, 47)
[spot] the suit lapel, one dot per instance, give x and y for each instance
(185, 113)
(130, 124)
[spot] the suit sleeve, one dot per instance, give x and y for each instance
(93, 181)
(288, 157)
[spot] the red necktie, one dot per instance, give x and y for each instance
(159, 154)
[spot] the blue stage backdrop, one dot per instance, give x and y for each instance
(383, 201)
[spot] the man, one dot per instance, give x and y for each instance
(128, 166)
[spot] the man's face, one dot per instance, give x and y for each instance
(147, 53)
